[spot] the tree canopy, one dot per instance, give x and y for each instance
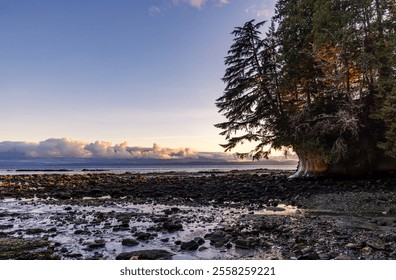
(320, 80)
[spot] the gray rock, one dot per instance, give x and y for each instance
(172, 226)
(143, 236)
(376, 245)
(2, 227)
(307, 250)
(245, 243)
(96, 244)
(129, 242)
(351, 246)
(218, 238)
(189, 246)
(199, 240)
(73, 255)
(324, 256)
(343, 257)
(367, 250)
(172, 210)
(146, 255)
(309, 256)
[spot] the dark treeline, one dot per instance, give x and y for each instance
(320, 81)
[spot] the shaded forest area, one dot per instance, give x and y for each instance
(320, 81)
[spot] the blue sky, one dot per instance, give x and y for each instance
(140, 71)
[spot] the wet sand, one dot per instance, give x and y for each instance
(256, 214)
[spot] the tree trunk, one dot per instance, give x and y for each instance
(310, 164)
(313, 165)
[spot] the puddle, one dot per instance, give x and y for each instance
(280, 209)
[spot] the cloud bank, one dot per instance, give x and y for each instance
(70, 148)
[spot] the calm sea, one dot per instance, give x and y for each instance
(59, 169)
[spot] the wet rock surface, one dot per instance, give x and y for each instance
(25, 249)
(145, 255)
(258, 214)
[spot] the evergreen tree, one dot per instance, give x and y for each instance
(322, 82)
(386, 61)
(251, 102)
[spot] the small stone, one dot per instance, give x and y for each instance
(73, 255)
(34, 231)
(218, 244)
(129, 242)
(124, 225)
(145, 255)
(64, 250)
(376, 246)
(218, 238)
(189, 246)
(321, 240)
(275, 209)
(171, 210)
(367, 250)
(172, 226)
(6, 227)
(96, 244)
(143, 236)
(324, 256)
(245, 243)
(118, 229)
(80, 231)
(53, 229)
(333, 254)
(298, 247)
(343, 257)
(309, 256)
(199, 240)
(351, 246)
(298, 253)
(307, 250)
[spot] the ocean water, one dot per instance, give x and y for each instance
(143, 169)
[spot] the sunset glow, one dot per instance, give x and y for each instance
(143, 72)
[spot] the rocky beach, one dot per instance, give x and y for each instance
(255, 214)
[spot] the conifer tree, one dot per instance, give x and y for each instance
(322, 82)
(250, 101)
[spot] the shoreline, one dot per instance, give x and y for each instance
(203, 215)
(141, 168)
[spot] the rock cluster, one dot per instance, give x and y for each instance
(339, 218)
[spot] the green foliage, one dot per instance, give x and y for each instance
(250, 102)
(323, 80)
